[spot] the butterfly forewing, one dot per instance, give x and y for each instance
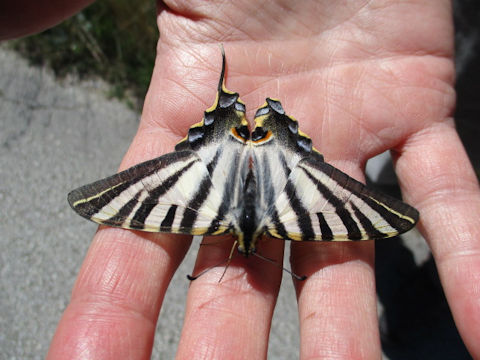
(323, 203)
(156, 196)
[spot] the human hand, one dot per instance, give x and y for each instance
(361, 78)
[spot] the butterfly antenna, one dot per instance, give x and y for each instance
(192, 277)
(297, 277)
(228, 260)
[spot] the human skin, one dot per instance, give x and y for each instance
(361, 77)
(23, 17)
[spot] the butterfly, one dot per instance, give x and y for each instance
(223, 178)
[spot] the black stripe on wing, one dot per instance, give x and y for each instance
(362, 210)
(167, 222)
(304, 222)
(138, 220)
(276, 229)
(227, 197)
(325, 229)
(399, 215)
(90, 199)
(191, 212)
(354, 232)
(372, 232)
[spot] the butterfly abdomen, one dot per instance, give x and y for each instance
(248, 222)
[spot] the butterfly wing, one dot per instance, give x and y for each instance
(188, 191)
(277, 148)
(316, 201)
(171, 193)
(321, 202)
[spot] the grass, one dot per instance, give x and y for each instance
(111, 39)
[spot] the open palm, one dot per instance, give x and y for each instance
(361, 77)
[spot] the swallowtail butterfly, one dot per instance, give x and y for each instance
(222, 178)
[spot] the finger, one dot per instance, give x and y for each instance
(117, 296)
(231, 318)
(119, 291)
(439, 180)
(337, 302)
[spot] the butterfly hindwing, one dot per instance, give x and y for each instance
(278, 146)
(220, 141)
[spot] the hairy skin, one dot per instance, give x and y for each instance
(361, 77)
